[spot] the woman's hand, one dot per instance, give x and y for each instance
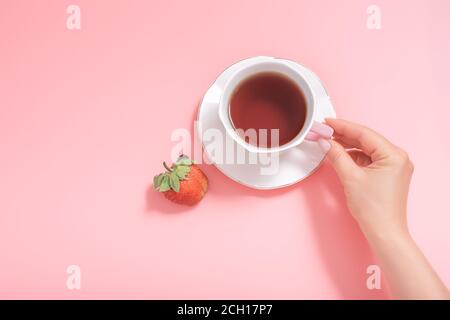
(375, 175)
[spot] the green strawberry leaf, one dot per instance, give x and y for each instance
(157, 180)
(174, 182)
(181, 171)
(164, 186)
(173, 175)
(184, 161)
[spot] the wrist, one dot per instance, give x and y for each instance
(387, 236)
(387, 231)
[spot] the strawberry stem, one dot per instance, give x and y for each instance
(167, 167)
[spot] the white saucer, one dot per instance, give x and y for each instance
(294, 164)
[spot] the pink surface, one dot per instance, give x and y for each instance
(86, 118)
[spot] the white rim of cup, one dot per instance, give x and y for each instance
(300, 137)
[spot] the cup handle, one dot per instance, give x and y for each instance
(319, 130)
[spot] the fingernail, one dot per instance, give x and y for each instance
(312, 136)
(324, 145)
(322, 129)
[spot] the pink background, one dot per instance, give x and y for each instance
(86, 118)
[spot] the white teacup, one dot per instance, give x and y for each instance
(311, 129)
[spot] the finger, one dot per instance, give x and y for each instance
(343, 143)
(339, 158)
(369, 141)
(346, 142)
(360, 158)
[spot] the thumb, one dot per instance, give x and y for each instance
(339, 158)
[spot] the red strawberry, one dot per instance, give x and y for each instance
(182, 183)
